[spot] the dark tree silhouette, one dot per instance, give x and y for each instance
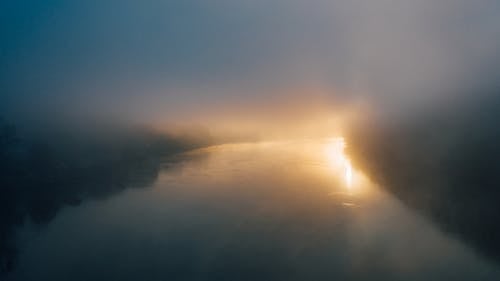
(40, 175)
(444, 163)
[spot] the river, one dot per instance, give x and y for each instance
(284, 210)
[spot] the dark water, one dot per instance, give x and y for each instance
(268, 211)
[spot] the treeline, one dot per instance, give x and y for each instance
(43, 171)
(445, 162)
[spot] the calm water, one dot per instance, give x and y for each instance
(266, 211)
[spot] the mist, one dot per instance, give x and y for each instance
(174, 62)
(99, 97)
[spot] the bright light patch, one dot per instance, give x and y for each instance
(337, 158)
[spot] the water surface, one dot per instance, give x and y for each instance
(257, 211)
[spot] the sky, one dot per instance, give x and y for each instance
(207, 62)
(415, 81)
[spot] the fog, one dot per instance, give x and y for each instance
(268, 211)
(98, 90)
(181, 62)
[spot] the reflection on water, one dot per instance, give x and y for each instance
(257, 211)
(335, 151)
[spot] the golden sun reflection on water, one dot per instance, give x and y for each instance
(322, 161)
(335, 152)
(339, 162)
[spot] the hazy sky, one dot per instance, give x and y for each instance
(165, 61)
(235, 70)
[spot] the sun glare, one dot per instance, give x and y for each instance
(335, 152)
